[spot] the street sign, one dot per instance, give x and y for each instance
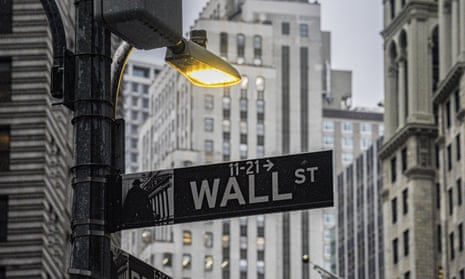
(126, 266)
(249, 187)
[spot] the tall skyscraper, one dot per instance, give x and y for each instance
(137, 79)
(35, 146)
(360, 246)
(422, 154)
(277, 109)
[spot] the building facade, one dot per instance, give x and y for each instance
(35, 146)
(421, 154)
(360, 245)
(138, 76)
(277, 109)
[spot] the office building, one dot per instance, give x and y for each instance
(277, 109)
(422, 152)
(138, 76)
(35, 146)
(359, 217)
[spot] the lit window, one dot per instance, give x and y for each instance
(186, 261)
(208, 102)
(244, 83)
(186, 238)
(167, 259)
(260, 83)
(226, 126)
(4, 148)
(226, 103)
(208, 239)
(303, 30)
(260, 221)
(240, 48)
(260, 243)
(208, 121)
(243, 265)
(225, 241)
(208, 263)
(328, 125)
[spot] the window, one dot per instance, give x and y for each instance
(5, 75)
(303, 30)
(457, 143)
(328, 141)
(328, 125)
(457, 100)
(406, 243)
(145, 89)
(260, 243)
(448, 114)
(4, 148)
(186, 238)
(226, 148)
(380, 130)
(407, 275)
(260, 84)
(347, 158)
(240, 48)
(449, 157)
(226, 103)
(285, 28)
(459, 191)
(393, 8)
(439, 238)
(260, 129)
(365, 143)
(209, 146)
(208, 124)
(438, 196)
(208, 239)
(347, 127)
(460, 228)
(347, 142)
(145, 103)
(140, 72)
(451, 201)
(208, 262)
(404, 159)
(208, 102)
(395, 251)
(452, 246)
(167, 259)
(393, 170)
(6, 13)
(462, 273)
(365, 128)
(134, 115)
(134, 87)
(257, 49)
(394, 210)
(405, 201)
(223, 44)
(3, 218)
(186, 261)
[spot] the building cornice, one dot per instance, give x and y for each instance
(449, 83)
(421, 10)
(401, 136)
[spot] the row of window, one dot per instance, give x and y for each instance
(450, 195)
(404, 206)
(136, 87)
(347, 127)
(395, 246)
(347, 142)
(404, 162)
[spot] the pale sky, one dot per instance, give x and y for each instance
(357, 45)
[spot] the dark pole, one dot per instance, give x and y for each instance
(93, 118)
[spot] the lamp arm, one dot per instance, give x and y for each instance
(59, 43)
(120, 59)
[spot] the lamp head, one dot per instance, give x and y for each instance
(200, 66)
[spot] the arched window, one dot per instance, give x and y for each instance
(435, 58)
(240, 48)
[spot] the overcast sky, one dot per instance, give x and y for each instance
(355, 27)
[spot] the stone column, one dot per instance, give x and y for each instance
(462, 28)
(391, 102)
(444, 40)
(455, 27)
